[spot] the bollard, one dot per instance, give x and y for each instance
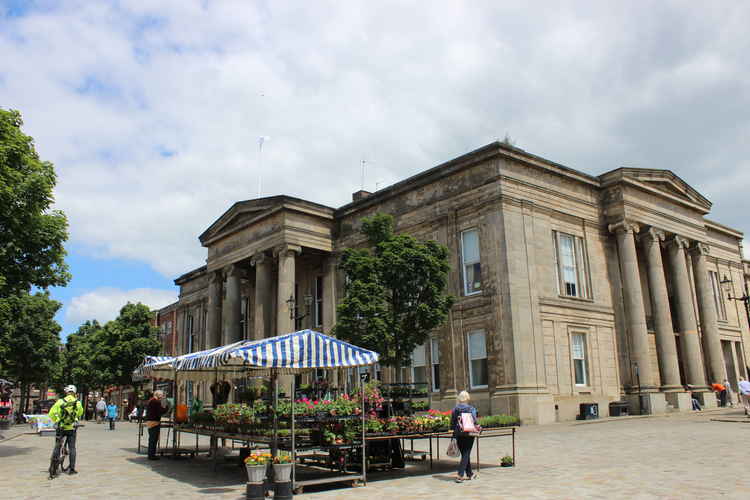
(282, 491)
(256, 491)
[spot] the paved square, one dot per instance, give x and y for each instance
(677, 457)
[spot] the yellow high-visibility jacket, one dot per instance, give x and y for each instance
(56, 412)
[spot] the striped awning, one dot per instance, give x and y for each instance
(290, 353)
(154, 365)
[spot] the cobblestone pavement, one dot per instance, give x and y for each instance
(677, 457)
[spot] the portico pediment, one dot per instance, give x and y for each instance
(662, 183)
(238, 216)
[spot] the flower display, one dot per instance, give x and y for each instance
(258, 459)
(282, 458)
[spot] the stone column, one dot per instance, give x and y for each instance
(263, 290)
(329, 293)
(213, 312)
(633, 299)
(666, 347)
(689, 343)
(286, 255)
(708, 317)
(232, 320)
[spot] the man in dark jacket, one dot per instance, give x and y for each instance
(154, 411)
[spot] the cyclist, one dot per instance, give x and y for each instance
(65, 414)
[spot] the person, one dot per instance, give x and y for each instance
(111, 414)
(154, 411)
(696, 405)
(730, 392)
(744, 389)
(101, 408)
(464, 441)
(721, 391)
(66, 413)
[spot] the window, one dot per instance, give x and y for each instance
(435, 361)
(243, 316)
(571, 266)
(318, 315)
(189, 392)
(419, 365)
(477, 360)
(721, 309)
(578, 348)
(189, 333)
(471, 265)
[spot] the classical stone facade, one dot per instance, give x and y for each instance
(570, 288)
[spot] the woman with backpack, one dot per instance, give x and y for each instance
(464, 425)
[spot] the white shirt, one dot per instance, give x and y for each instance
(744, 386)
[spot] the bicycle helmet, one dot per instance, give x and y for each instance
(70, 388)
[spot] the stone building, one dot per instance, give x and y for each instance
(570, 288)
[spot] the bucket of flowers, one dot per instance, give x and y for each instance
(282, 467)
(256, 465)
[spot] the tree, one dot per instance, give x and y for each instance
(395, 292)
(124, 342)
(31, 235)
(31, 341)
(77, 360)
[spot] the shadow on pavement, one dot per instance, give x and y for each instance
(10, 451)
(228, 476)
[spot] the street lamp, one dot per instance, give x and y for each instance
(729, 288)
(291, 302)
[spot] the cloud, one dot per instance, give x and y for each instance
(104, 304)
(151, 111)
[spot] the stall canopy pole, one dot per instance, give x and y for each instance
(275, 443)
(294, 442)
(364, 444)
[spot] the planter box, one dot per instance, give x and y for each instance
(282, 473)
(256, 473)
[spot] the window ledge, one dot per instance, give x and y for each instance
(577, 299)
(478, 387)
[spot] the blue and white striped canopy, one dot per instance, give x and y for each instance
(153, 365)
(203, 359)
(290, 353)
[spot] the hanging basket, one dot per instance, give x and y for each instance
(282, 473)
(256, 473)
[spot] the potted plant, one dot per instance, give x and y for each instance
(282, 467)
(506, 461)
(256, 465)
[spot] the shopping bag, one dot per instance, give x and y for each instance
(453, 449)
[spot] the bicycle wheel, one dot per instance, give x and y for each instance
(64, 462)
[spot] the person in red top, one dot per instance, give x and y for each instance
(722, 391)
(154, 411)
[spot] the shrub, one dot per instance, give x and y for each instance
(497, 421)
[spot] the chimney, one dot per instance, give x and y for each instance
(360, 195)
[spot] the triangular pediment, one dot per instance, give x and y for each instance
(660, 182)
(239, 215)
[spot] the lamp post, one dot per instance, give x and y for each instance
(292, 303)
(728, 285)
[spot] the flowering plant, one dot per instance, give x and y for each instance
(258, 459)
(282, 458)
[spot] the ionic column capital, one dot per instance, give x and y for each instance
(285, 249)
(624, 226)
(699, 248)
(652, 235)
(234, 271)
(677, 242)
(258, 258)
(215, 278)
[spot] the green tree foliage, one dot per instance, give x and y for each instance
(31, 340)
(97, 356)
(395, 293)
(31, 235)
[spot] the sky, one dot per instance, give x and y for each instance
(151, 111)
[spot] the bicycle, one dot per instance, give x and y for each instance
(63, 462)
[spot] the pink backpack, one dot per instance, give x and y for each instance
(466, 423)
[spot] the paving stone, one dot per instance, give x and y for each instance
(674, 457)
